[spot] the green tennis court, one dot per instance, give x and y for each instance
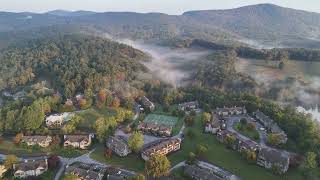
(161, 119)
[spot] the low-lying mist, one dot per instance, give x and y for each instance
(296, 84)
(169, 64)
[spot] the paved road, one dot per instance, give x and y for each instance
(85, 158)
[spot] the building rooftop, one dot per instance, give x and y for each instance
(117, 141)
(85, 172)
(200, 173)
(160, 145)
(35, 139)
(30, 165)
(76, 138)
(263, 117)
(274, 156)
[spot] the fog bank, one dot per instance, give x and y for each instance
(315, 113)
(168, 64)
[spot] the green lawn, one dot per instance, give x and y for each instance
(132, 162)
(219, 155)
(251, 133)
(91, 115)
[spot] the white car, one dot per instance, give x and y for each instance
(262, 129)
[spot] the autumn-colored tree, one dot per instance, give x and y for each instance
(99, 105)
(108, 153)
(102, 95)
(136, 141)
(116, 102)
(251, 156)
(158, 165)
(9, 161)
(18, 138)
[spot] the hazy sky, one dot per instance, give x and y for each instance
(164, 6)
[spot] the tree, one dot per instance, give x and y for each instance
(108, 153)
(157, 166)
(189, 120)
(136, 141)
(206, 117)
(102, 95)
(229, 140)
(18, 138)
(243, 122)
(116, 102)
(70, 177)
(191, 158)
(83, 103)
(9, 161)
(251, 156)
(181, 113)
(103, 127)
(201, 150)
(309, 165)
(273, 139)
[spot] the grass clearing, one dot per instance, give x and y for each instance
(91, 115)
(132, 162)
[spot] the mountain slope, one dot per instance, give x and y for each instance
(72, 62)
(264, 21)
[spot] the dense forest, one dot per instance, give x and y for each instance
(218, 70)
(75, 63)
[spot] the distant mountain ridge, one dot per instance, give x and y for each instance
(262, 23)
(70, 13)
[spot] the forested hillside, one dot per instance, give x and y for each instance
(218, 70)
(74, 62)
(264, 24)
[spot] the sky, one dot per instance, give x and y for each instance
(163, 6)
